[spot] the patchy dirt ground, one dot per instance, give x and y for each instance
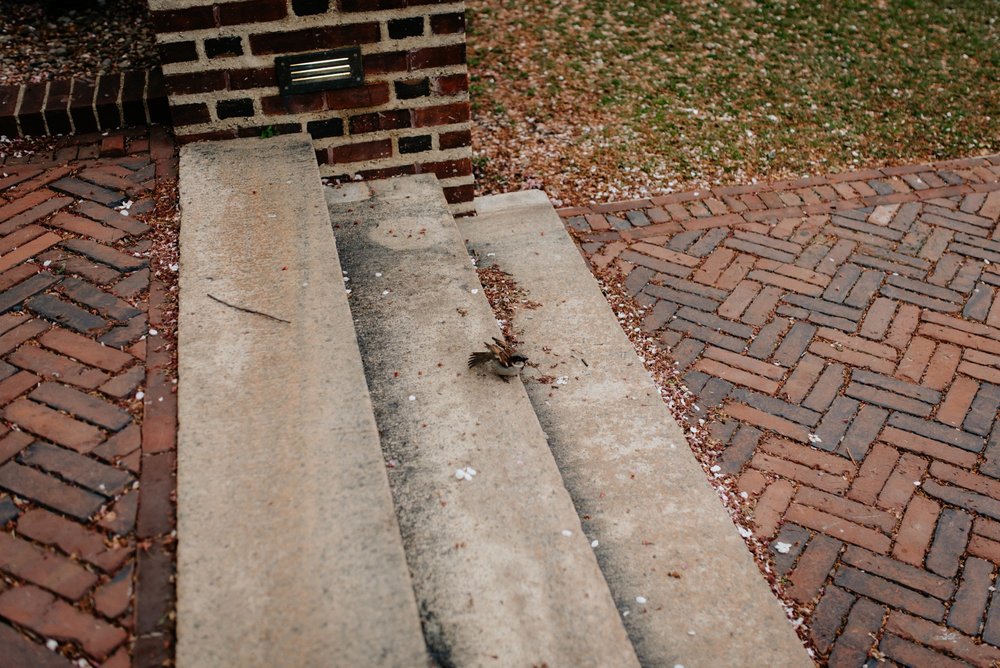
(43, 41)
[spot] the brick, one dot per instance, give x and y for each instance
(11, 444)
(461, 139)
(48, 491)
(179, 20)
(960, 338)
(105, 255)
(888, 399)
(154, 590)
(765, 421)
(28, 250)
(159, 425)
(445, 169)
(941, 639)
(916, 530)
(104, 303)
(457, 84)
(896, 571)
(908, 653)
(879, 317)
(120, 445)
(64, 313)
(120, 337)
(813, 567)
(752, 482)
(50, 571)
(447, 24)
(308, 39)
(771, 506)
(446, 114)
(903, 326)
(20, 334)
(889, 593)
(873, 473)
(852, 357)
(803, 378)
(85, 350)
(927, 446)
(828, 617)
(983, 411)
(360, 151)
(835, 422)
(937, 431)
(826, 388)
(177, 52)
(81, 405)
(852, 646)
(76, 468)
(436, 56)
(53, 425)
(903, 482)
(785, 283)
(957, 402)
(863, 431)
(19, 651)
(767, 339)
(112, 599)
(739, 449)
(50, 529)
(85, 227)
(966, 479)
(89, 191)
(156, 484)
(985, 548)
(916, 359)
(950, 538)
(737, 302)
(969, 608)
(847, 509)
(16, 385)
(51, 618)
(760, 309)
(736, 376)
(839, 528)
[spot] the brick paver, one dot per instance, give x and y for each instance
(843, 335)
(88, 405)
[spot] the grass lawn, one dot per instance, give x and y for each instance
(597, 100)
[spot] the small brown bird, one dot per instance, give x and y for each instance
(501, 358)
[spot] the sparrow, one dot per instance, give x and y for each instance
(502, 359)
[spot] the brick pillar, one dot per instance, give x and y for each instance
(410, 116)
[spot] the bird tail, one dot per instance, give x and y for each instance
(475, 359)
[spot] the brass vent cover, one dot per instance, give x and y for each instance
(322, 70)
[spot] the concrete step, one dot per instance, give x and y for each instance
(503, 574)
(626, 463)
(289, 550)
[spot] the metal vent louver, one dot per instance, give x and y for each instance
(322, 70)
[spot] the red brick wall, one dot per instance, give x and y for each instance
(410, 116)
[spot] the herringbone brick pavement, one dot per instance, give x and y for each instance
(88, 405)
(843, 335)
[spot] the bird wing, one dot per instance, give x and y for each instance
(475, 359)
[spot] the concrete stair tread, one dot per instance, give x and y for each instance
(626, 463)
(502, 571)
(289, 550)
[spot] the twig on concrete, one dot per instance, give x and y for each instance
(248, 310)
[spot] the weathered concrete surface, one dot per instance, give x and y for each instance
(289, 551)
(626, 462)
(502, 572)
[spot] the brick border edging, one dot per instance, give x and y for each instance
(77, 106)
(833, 192)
